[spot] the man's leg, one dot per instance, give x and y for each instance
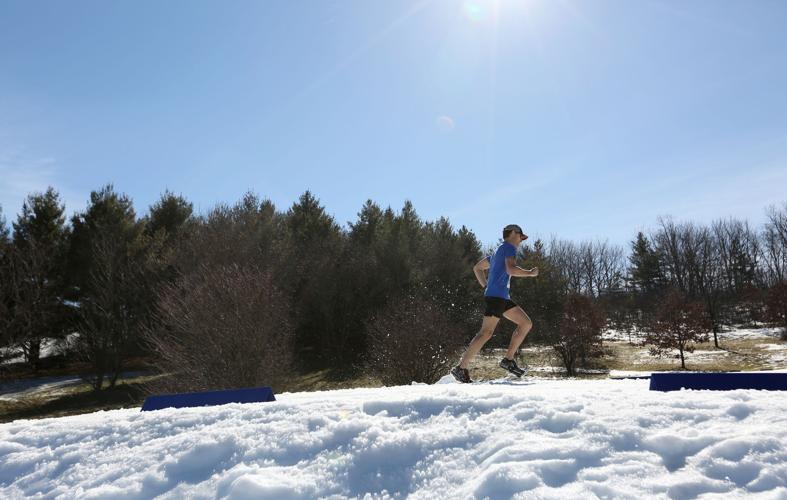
(481, 338)
(523, 326)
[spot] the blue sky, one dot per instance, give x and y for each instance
(582, 119)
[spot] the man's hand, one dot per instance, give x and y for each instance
(534, 272)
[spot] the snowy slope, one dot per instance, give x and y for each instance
(538, 438)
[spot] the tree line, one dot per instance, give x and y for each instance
(248, 293)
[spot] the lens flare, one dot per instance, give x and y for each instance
(445, 123)
(474, 10)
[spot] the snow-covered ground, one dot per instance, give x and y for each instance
(536, 438)
(47, 386)
(20, 389)
(777, 353)
(49, 347)
(736, 333)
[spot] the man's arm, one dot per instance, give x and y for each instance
(513, 270)
(478, 269)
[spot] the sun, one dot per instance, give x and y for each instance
(481, 10)
(475, 10)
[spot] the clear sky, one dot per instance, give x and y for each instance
(584, 119)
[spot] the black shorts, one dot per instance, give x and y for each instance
(496, 306)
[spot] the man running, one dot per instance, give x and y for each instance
(501, 266)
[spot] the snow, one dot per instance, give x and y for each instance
(20, 389)
(777, 353)
(49, 347)
(48, 387)
(534, 438)
(728, 333)
(739, 332)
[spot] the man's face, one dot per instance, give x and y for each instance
(517, 236)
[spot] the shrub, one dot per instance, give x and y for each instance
(412, 339)
(579, 333)
(223, 327)
(678, 324)
(777, 307)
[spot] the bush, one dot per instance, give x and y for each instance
(579, 333)
(413, 338)
(777, 307)
(223, 327)
(678, 324)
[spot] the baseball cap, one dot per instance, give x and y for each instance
(513, 227)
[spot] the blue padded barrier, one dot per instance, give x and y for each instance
(718, 381)
(210, 398)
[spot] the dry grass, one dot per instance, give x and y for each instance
(76, 399)
(733, 355)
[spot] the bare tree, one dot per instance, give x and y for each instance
(667, 242)
(110, 314)
(565, 257)
(774, 244)
(222, 327)
(678, 324)
(777, 307)
(738, 253)
(611, 266)
(413, 339)
(705, 274)
(579, 335)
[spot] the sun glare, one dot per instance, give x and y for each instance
(475, 10)
(480, 10)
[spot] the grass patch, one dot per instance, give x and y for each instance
(79, 400)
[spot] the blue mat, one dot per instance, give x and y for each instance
(211, 398)
(718, 381)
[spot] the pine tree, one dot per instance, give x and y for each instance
(106, 263)
(644, 269)
(365, 231)
(5, 281)
(39, 243)
(315, 244)
(169, 214)
(544, 295)
(4, 232)
(109, 217)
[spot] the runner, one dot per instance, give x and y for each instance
(501, 266)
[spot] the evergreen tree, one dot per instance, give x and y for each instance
(39, 243)
(399, 254)
(361, 290)
(5, 281)
(165, 227)
(4, 232)
(644, 260)
(543, 295)
(106, 263)
(314, 248)
(365, 231)
(169, 214)
(109, 217)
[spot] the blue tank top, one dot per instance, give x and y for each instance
(499, 281)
